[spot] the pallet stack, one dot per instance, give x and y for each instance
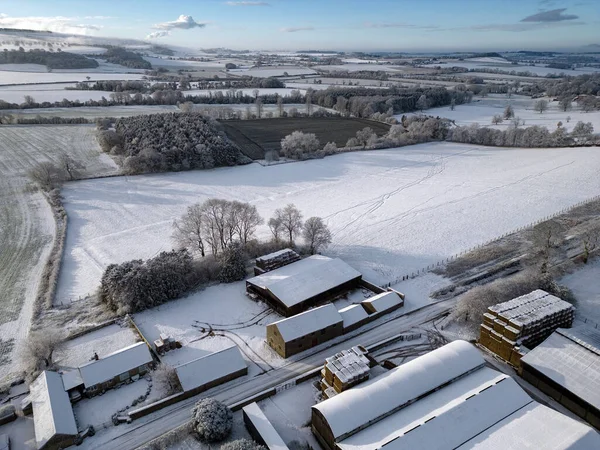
(344, 370)
(512, 327)
(275, 260)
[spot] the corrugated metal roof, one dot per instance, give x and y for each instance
(52, 411)
(569, 363)
(308, 322)
(302, 280)
(115, 364)
(210, 368)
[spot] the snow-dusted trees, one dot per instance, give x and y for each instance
(188, 230)
(71, 168)
(422, 103)
(165, 376)
(242, 444)
(216, 224)
(583, 130)
(46, 175)
(497, 119)
(316, 234)
(287, 221)
(565, 104)
(39, 348)
(366, 136)
(330, 149)
(137, 285)
(541, 105)
(298, 145)
(233, 263)
(212, 420)
(509, 112)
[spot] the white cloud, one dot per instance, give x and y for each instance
(182, 23)
(58, 24)
(295, 29)
(158, 34)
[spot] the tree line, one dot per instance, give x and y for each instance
(214, 242)
(52, 60)
(126, 58)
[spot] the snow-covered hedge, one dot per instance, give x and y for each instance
(212, 420)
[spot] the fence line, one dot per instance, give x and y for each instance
(444, 261)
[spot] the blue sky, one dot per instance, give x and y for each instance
(422, 25)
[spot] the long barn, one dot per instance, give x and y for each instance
(294, 288)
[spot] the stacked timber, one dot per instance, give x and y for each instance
(509, 328)
(344, 370)
(275, 260)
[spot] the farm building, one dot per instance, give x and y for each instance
(107, 372)
(354, 316)
(306, 330)
(447, 398)
(275, 260)
(211, 370)
(523, 322)
(295, 287)
(566, 366)
(53, 418)
(261, 429)
(383, 303)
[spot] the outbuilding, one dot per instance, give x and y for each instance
(306, 330)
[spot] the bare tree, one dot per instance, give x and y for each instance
(583, 130)
(452, 104)
(246, 219)
(497, 119)
(565, 104)
(590, 241)
(291, 221)
(365, 136)
(166, 377)
(186, 107)
(70, 167)
(541, 106)
(279, 105)
(258, 103)
(39, 348)
(46, 175)
(189, 230)
(276, 227)
(215, 223)
(316, 234)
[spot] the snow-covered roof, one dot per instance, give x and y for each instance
(353, 314)
(115, 364)
(210, 368)
(266, 430)
(71, 379)
(276, 255)
(52, 412)
(536, 427)
(304, 279)
(375, 399)
(571, 358)
(308, 322)
(384, 301)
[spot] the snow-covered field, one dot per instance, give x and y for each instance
(27, 223)
(390, 211)
(482, 110)
(50, 95)
(284, 92)
(272, 71)
(540, 70)
(585, 284)
(359, 67)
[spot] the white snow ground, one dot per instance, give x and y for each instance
(585, 284)
(391, 212)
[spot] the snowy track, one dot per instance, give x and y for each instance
(390, 211)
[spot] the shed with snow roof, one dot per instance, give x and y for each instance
(447, 398)
(116, 368)
(53, 418)
(305, 330)
(354, 316)
(261, 429)
(211, 370)
(383, 303)
(566, 366)
(293, 288)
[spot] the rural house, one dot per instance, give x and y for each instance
(295, 287)
(306, 330)
(447, 398)
(53, 419)
(211, 370)
(566, 366)
(105, 373)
